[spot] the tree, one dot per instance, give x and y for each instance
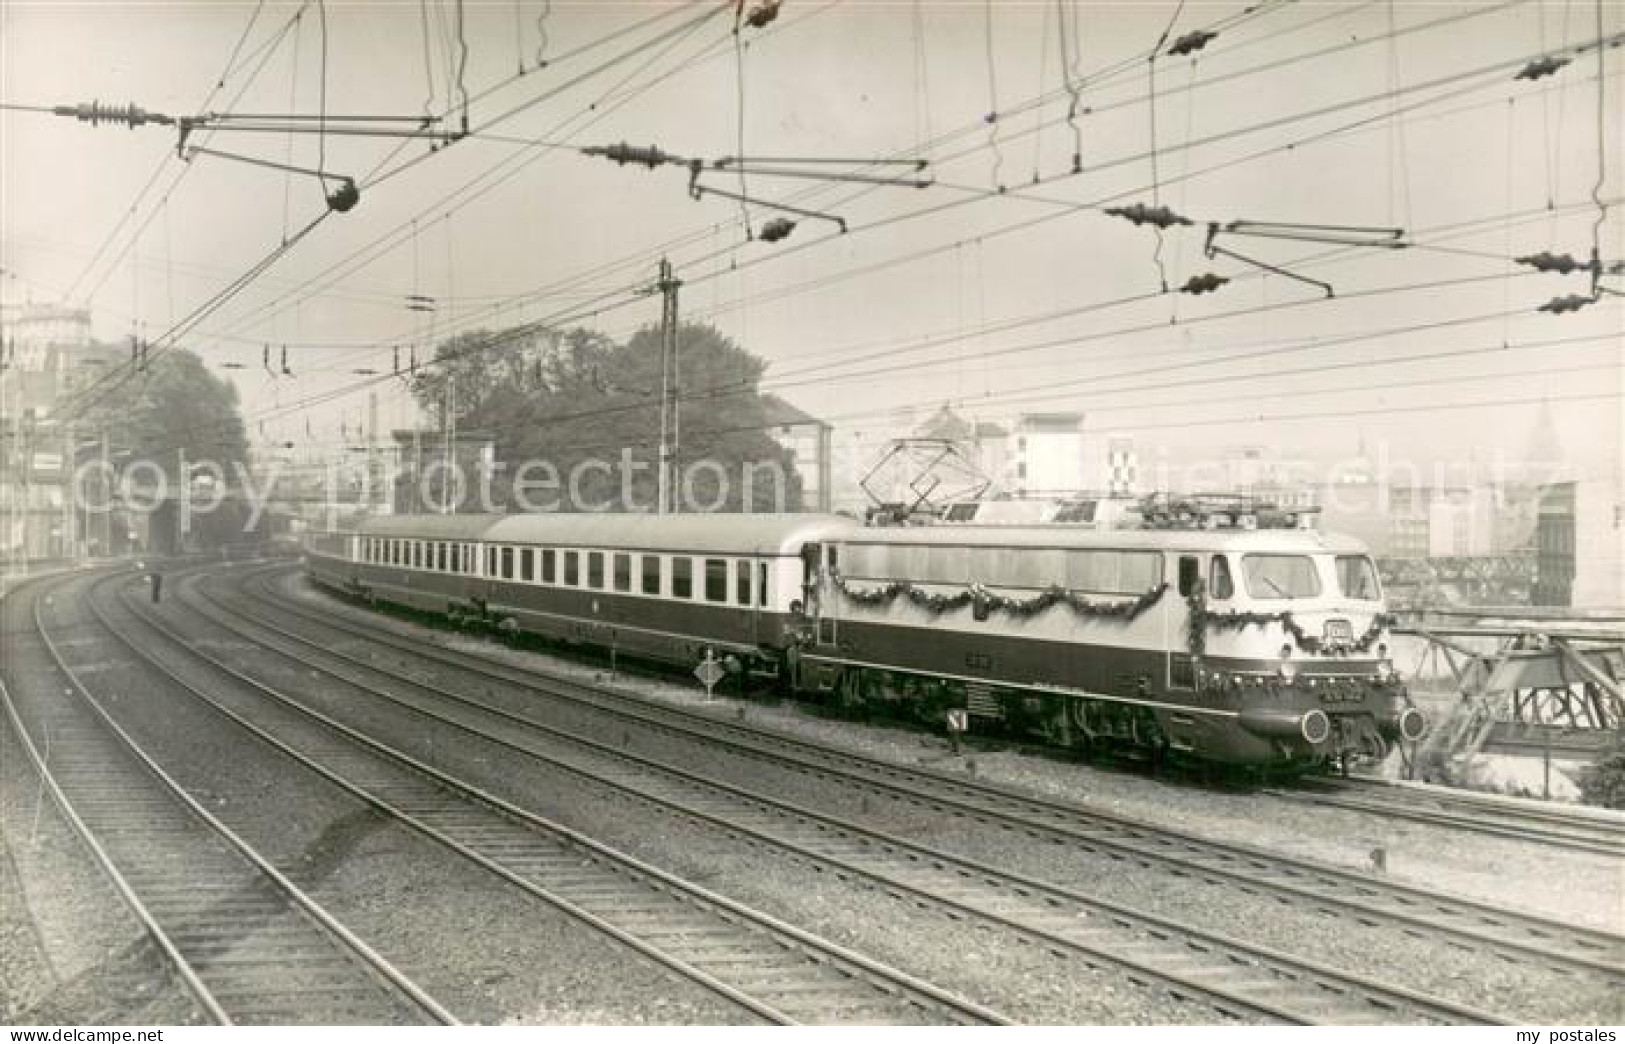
(575, 407)
(177, 408)
(174, 411)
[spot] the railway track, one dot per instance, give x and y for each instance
(1513, 935)
(1238, 980)
(772, 970)
(1517, 819)
(247, 944)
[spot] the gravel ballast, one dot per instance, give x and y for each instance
(1468, 864)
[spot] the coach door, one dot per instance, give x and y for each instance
(812, 600)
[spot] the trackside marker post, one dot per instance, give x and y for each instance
(709, 672)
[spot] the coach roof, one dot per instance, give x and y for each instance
(427, 527)
(701, 534)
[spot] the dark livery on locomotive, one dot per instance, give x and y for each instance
(1243, 646)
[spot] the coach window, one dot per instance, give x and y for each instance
(1219, 584)
(491, 561)
(438, 562)
(761, 583)
(595, 570)
(650, 567)
(716, 579)
(549, 566)
(1190, 574)
(572, 569)
(623, 572)
(507, 563)
(742, 581)
(682, 577)
(527, 565)
(417, 554)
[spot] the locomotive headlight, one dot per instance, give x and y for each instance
(1286, 652)
(1385, 670)
(1287, 672)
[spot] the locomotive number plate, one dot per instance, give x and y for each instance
(1339, 632)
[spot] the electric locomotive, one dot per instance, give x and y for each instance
(1245, 646)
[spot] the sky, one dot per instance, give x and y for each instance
(1001, 288)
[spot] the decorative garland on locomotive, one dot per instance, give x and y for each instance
(1241, 646)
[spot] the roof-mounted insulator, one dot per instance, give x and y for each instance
(1141, 214)
(1203, 284)
(1570, 303)
(1191, 42)
(1546, 261)
(763, 13)
(776, 229)
(96, 113)
(1540, 67)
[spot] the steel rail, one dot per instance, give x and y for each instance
(323, 922)
(1188, 962)
(1513, 934)
(428, 805)
(149, 924)
(1549, 827)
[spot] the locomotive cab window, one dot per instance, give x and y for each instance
(1280, 576)
(1219, 584)
(1356, 578)
(716, 579)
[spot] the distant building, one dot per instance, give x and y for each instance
(47, 353)
(419, 480)
(1122, 465)
(1580, 545)
(808, 440)
(1047, 455)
